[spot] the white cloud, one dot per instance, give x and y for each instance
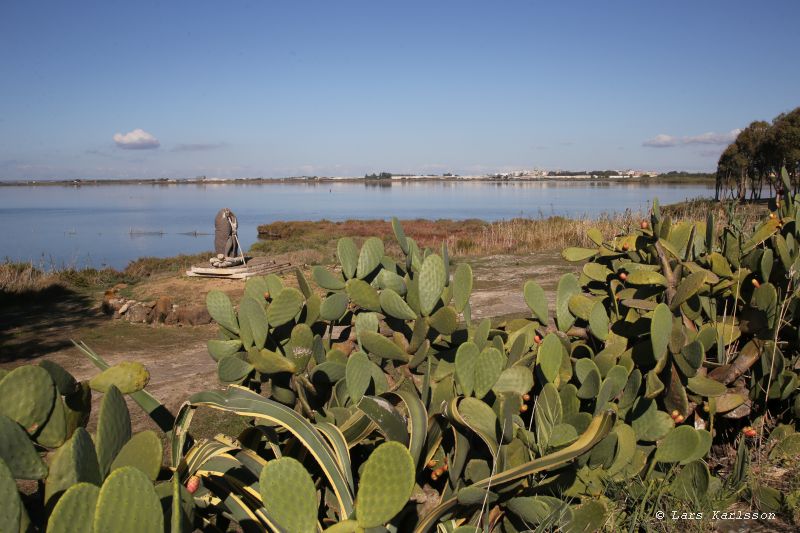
(663, 140)
(713, 138)
(137, 139)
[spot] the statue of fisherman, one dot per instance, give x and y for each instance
(226, 240)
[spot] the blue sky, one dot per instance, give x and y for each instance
(268, 88)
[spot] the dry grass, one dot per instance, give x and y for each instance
(463, 237)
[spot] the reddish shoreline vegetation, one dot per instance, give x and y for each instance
(649, 367)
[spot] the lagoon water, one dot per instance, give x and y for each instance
(110, 225)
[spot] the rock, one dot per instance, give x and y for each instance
(193, 315)
(139, 313)
(172, 317)
(124, 308)
(162, 308)
(111, 305)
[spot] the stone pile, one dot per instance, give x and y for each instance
(160, 311)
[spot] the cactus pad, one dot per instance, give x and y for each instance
(128, 503)
(400, 235)
(517, 379)
(660, 330)
(394, 305)
(347, 253)
(386, 279)
(358, 373)
(567, 287)
(218, 349)
(369, 257)
(231, 369)
(28, 394)
(377, 344)
(648, 422)
(74, 462)
(678, 446)
(18, 453)
(252, 313)
(127, 376)
(74, 512)
(551, 353)
(444, 320)
(462, 286)
(333, 307)
(363, 295)
(256, 288)
(65, 382)
(326, 279)
(285, 307)
(488, 366)
(11, 509)
(54, 432)
(221, 310)
(289, 495)
(144, 451)
(386, 483)
(113, 428)
(431, 283)
(536, 300)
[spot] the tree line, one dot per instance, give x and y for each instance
(751, 164)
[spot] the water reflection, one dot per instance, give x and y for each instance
(95, 225)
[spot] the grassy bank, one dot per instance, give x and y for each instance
(20, 281)
(463, 237)
(471, 238)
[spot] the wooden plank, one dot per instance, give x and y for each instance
(255, 267)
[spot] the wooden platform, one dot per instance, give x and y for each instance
(255, 266)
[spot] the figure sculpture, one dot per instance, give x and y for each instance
(226, 240)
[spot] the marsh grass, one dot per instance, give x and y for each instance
(464, 238)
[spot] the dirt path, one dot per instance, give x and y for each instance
(499, 280)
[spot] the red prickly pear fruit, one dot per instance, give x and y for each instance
(623, 276)
(755, 283)
(192, 484)
(537, 339)
(526, 397)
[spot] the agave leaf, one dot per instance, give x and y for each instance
(246, 403)
(597, 430)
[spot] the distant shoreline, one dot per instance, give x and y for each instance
(662, 179)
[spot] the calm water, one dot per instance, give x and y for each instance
(111, 225)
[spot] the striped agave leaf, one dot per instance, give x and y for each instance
(199, 454)
(339, 444)
(249, 519)
(599, 427)
(417, 421)
(247, 403)
(357, 428)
